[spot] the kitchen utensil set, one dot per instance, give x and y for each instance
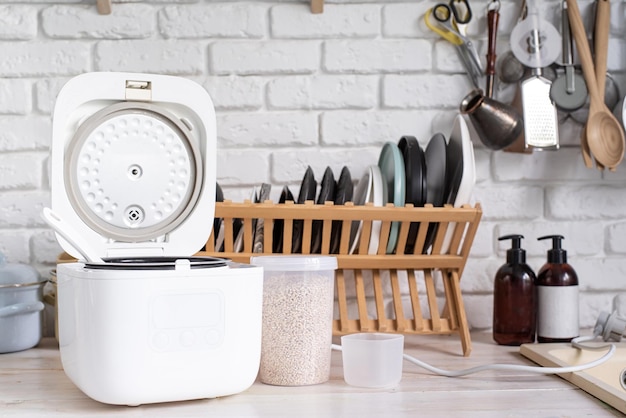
(603, 133)
(535, 47)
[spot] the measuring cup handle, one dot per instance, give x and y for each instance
(492, 20)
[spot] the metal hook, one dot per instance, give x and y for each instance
(494, 5)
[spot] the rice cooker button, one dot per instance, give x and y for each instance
(212, 337)
(160, 340)
(187, 338)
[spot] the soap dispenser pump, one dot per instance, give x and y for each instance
(514, 304)
(557, 296)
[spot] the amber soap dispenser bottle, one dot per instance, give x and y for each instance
(514, 298)
(557, 296)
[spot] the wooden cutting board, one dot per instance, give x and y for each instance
(602, 381)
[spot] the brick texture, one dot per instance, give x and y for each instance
(21, 171)
(323, 92)
(269, 129)
(125, 21)
(373, 56)
(164, 57)
(342, 21)
(18, 22)
(15, 97)
(263, 57)
(21, 133)
(43, 58)
(213, 21)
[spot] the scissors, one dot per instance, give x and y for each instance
(450, 22)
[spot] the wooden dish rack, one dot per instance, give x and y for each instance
(383, 268)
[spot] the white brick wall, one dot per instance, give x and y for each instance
(74, 22)
(18, 22)
(293, 89)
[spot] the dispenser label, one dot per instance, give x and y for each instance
(557, 311)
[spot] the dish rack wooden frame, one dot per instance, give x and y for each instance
(462, 222)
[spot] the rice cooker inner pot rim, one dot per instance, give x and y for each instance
(156, 263)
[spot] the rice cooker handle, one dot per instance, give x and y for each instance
(21, 308)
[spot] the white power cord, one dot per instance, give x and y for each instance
(517, 367)
(576, 342)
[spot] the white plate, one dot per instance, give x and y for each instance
(378, 198)
(370, 189)
(460, 134)
(361, 196)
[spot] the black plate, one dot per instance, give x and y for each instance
(279, 224)
(217, 222)
(155, 263)
(327, 194)
(308, 187)
(436, 160)
(344, 193)
(415, 172)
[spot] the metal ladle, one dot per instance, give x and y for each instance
(603, 131)
(568, 91)
(510, 69)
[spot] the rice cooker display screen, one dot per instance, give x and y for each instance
(134, 171)
(181, 322)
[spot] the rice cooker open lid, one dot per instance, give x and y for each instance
(133, 163)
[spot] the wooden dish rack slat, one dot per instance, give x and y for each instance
(456, 228)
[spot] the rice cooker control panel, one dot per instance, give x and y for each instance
(187, 321)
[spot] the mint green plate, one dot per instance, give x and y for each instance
(391, 163)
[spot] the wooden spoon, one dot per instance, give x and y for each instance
(601, 48)
(584, 146)
(603, 131)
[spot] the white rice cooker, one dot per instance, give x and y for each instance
(133, 172)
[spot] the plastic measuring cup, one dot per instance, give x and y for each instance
(372, 360)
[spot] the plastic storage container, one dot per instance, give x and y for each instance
(296, 340)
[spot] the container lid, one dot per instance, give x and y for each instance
(295, 262)
(133, 163)
(13, 274)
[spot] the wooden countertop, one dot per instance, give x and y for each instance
(32, 383)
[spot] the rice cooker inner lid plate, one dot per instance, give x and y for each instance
(133, 171)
